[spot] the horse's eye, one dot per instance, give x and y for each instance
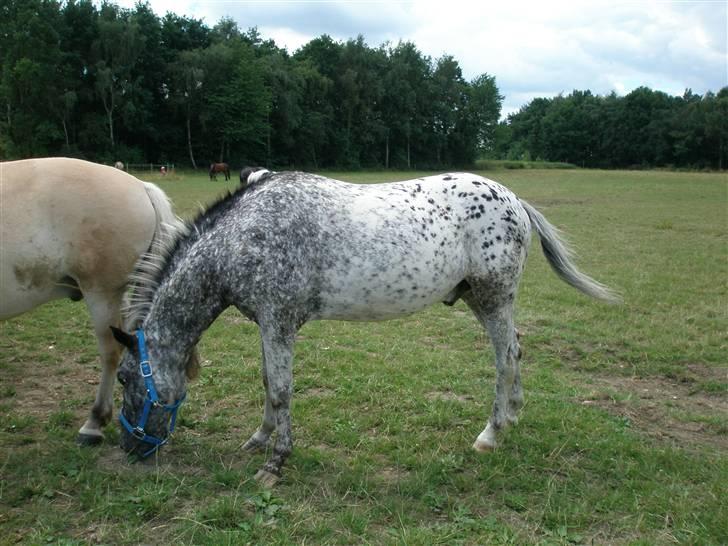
(121, 378)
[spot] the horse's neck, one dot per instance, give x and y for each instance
(185, 305)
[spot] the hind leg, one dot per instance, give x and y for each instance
(104, 310)
(515, 402)
(498, 321)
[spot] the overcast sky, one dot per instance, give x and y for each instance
(534, 49)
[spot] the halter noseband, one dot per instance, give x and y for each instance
(151, 401)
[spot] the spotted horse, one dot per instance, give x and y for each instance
(292, 247)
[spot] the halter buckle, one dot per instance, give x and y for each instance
(146, 368)
(138, 433)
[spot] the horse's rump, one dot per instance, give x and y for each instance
(68, 218)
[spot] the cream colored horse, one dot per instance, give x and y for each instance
(74, 229)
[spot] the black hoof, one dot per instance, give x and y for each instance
(88, 440)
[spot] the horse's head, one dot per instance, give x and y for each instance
(154, 380)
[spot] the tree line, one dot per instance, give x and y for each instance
(645, 128)
(107, 83)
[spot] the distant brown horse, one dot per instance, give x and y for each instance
(219, 168)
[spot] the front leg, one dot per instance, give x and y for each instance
(259, 441)
(278, 361)
(104, 311)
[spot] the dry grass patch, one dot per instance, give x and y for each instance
(665, 409)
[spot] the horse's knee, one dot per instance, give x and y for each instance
(279, 387)
(280, 403)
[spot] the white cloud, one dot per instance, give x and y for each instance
(533, 48)
(285, 37)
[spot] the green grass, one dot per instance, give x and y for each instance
(622, 440)
(494, 164)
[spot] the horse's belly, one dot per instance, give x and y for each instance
(27, 281)
(362, 292)
(371, 306)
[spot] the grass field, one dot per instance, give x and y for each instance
(623, 438)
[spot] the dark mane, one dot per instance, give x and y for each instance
(156, 264)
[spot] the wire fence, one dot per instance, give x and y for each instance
(149, 167)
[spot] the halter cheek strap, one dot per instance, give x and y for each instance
(151, 401)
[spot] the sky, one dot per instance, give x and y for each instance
(534, 49)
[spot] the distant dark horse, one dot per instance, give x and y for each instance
(219, 168)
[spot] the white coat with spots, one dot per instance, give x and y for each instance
(293, 247)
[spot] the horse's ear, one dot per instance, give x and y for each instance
(127, 340)
(245, 174)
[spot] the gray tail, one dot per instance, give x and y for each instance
(560, 256)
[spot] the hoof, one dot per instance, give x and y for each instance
(483, 447)
(266, 479)
(89, 439)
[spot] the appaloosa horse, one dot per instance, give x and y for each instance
(219, 168)
(74, 229)
(293, 247)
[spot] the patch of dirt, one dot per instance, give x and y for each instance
(40, 389)
(392, 475)
(711, 373)
(113, 460)
(314, 392)
(436, 344)
(667, 409)
(449, 396)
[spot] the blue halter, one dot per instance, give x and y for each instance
(151, 401)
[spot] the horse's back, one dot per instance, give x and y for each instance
(66, 220)
(385, 250)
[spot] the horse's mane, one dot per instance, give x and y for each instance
(154, 265)
(168, 227)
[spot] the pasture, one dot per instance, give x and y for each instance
(622, 440)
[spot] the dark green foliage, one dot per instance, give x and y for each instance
(97, 81)
(107, 83)
(645, 128)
